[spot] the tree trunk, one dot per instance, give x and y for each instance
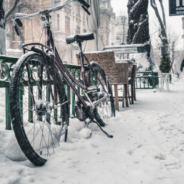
(138, 32)
(172, 57)
(163, 34)
(2, 28)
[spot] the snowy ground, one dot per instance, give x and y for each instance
(147, 148)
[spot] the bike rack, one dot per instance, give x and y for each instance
(6, 68)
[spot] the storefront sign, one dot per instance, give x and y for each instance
(176, 7)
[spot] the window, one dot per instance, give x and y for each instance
(67, 19)
(22, 31)
(67, 25)
(70, 57)
(107, 23)
(84, 18)
(84, 31)
(179, 3)
(78, 30)
(102, 38)
(13, 34)
(21, 9)
(107, 40)
(78, 10)
(101, 21)
(58, 22)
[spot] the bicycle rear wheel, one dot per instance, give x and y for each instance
(105, 109)
(38, 124)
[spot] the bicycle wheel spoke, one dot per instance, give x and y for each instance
(105, 108)
(41, 124)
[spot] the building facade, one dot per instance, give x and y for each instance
(121, 29)
(68, 21)
(31, 28)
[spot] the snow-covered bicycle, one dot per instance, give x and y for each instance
(41, 118)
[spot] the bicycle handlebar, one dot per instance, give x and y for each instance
(86, 10)
(83, 4)
(23, 15)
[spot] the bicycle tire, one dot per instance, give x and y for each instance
(46, 123)
(98, 70)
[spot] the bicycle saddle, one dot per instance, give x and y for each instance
(79, 38)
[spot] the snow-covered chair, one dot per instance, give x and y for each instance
(117, 72)
(131, 82)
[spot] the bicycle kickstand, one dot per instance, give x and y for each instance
(110, 136)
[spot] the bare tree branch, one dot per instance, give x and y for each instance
(11, 9)
(27, 5)
(2, 11)
(163, 12)
(163, 28)
(136, 6)
(140, 29)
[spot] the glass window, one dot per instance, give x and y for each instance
(58, 22)
(78, 30)
(67, 25)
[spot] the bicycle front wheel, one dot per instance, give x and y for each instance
(39, 122)
(105, 109)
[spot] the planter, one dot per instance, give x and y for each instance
(164, 79)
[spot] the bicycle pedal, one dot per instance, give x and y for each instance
(92, 89)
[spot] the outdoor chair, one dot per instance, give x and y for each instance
(117, 72)
(126, 93)
(131, 82)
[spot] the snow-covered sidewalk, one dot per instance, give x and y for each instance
(147, 148)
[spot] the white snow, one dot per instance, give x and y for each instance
(85, 133)
(97, 52)
(147, 147)
(12, 149)
(141, 60)
(135, 6)
(132, 21)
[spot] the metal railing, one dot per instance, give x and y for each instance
(6, 69)
(148, 80)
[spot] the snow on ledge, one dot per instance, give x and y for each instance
(14, 50)
(98, 52)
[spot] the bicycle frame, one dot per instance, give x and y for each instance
(56, 61)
